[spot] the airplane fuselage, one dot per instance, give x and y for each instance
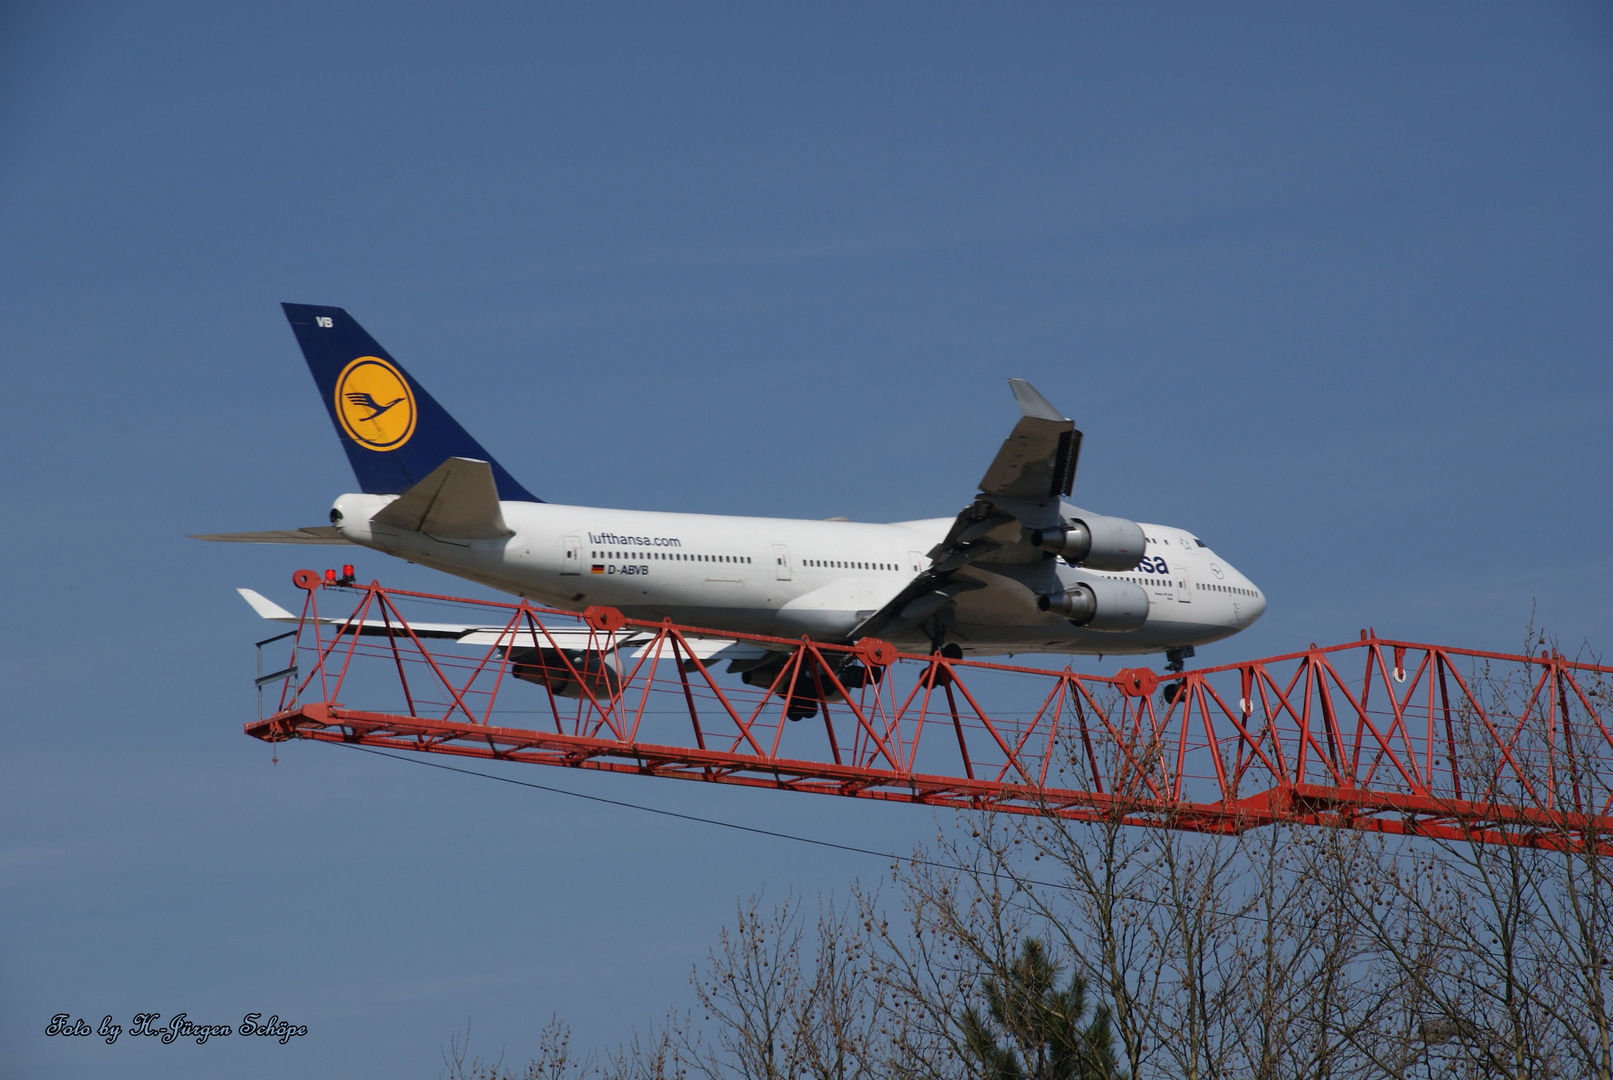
(1020, 569)
(793, 578)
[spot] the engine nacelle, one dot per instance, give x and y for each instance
(1099, 604)
(1096, 541)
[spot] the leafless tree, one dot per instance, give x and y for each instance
(750, 993)
(555, 1061)
(845, 1017)
(656, 1055)
(779, 1001)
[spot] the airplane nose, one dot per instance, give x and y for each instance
(1257, 608)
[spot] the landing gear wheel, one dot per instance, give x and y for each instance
(1171, 692)
(952, 651)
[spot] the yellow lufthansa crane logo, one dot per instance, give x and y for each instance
(375, 404)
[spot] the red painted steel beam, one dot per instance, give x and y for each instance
(1428, 740)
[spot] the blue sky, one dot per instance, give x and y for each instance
(1332, 288)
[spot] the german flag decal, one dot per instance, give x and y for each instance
(598, 568)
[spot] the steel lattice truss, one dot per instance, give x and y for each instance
(1374, 734)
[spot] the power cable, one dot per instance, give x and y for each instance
(672, 813)
(909, 859)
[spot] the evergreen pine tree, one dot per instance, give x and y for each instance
(1032, 1030)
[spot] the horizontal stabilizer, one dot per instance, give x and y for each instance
(457, 499)
(313, 534)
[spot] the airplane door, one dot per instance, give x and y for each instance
(1184, 583)
(781, 562)
(916, 561)
(571, 555)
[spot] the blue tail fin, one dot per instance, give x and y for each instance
(393, 431)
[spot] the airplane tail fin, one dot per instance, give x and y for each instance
(395, 433)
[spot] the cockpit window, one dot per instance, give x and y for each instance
(1200, 543)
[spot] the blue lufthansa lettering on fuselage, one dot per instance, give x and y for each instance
(634, 541)
(1153, 565)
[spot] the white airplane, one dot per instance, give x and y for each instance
(1018, 570)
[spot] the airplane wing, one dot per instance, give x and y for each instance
(565, 637)
(986, 552)
(577, 637)
(709, 650)
(312, 534)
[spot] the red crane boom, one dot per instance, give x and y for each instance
(1417, 739)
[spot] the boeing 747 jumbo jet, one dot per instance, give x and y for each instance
(1018, 570)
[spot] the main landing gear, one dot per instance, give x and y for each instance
(939, 643)
(1175, 660)
(809, 687)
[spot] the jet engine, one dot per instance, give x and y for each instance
(1095, 541)
(1099, 604)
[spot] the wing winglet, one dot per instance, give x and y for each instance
(265, 607)
(1033, 404)
(1038, 459)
